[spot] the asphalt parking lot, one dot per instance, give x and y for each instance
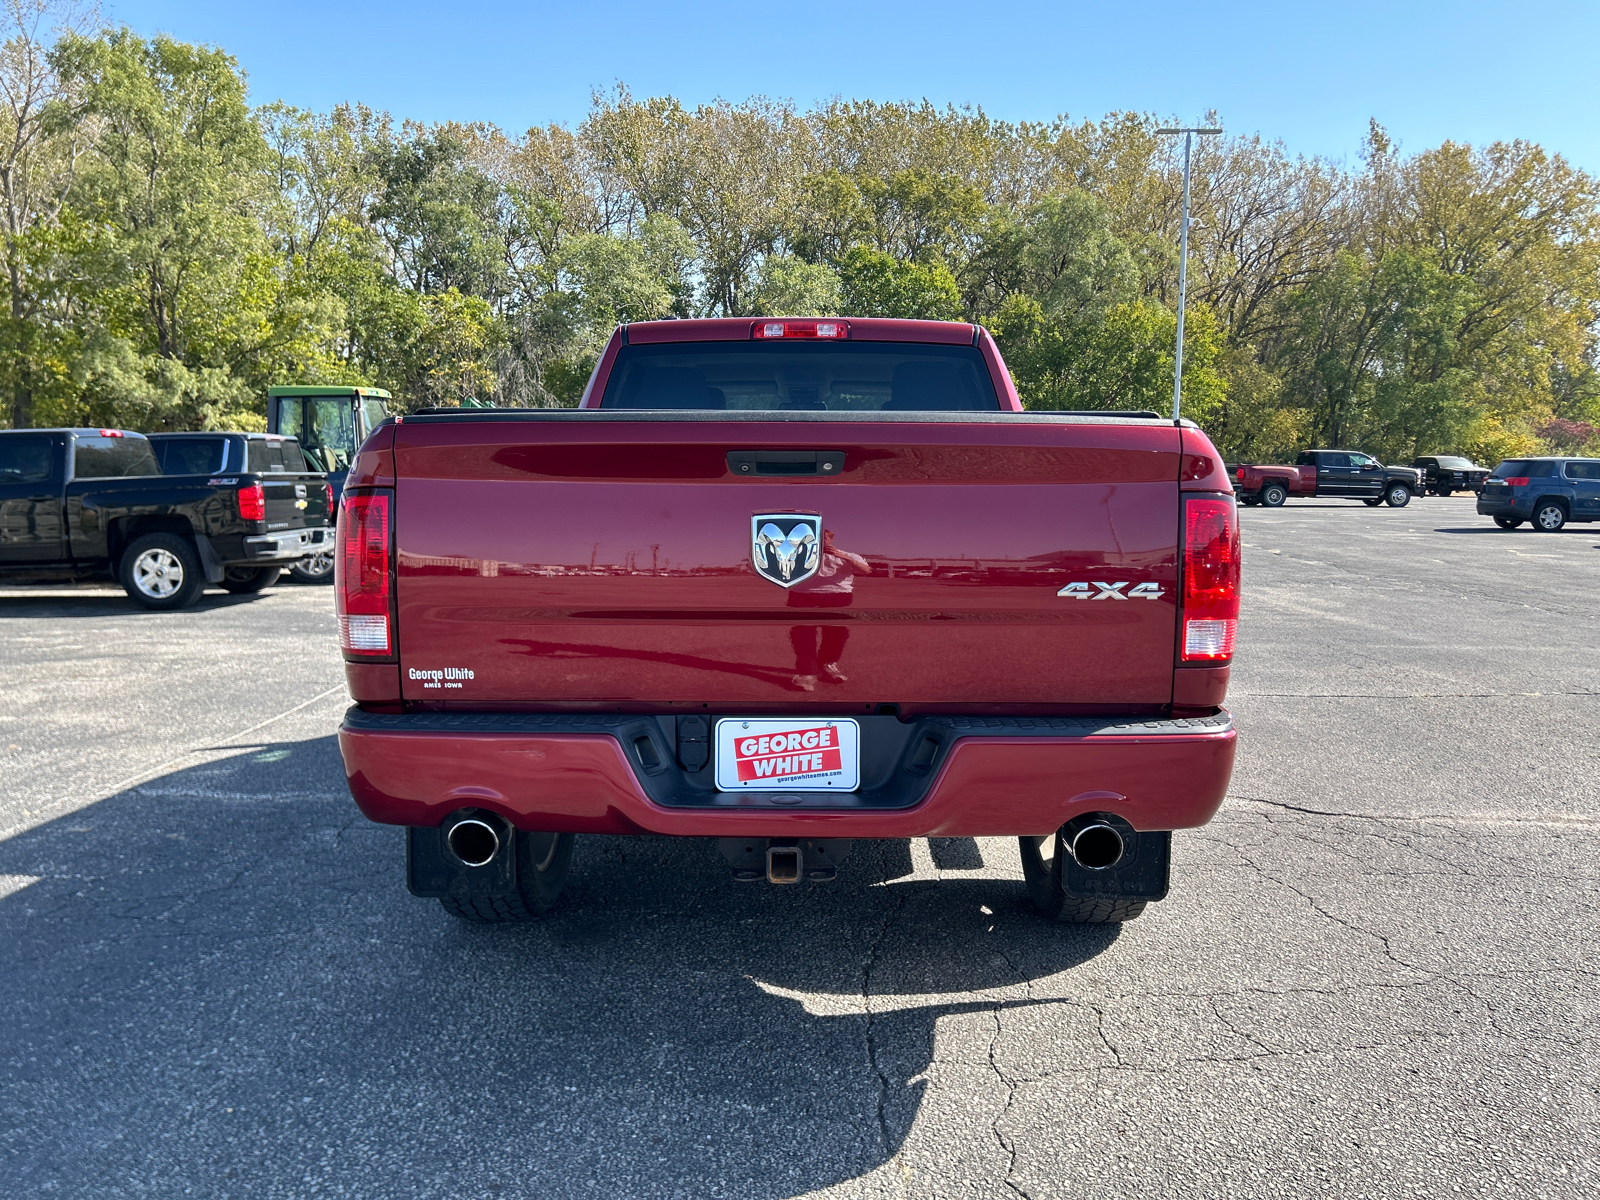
(1376, 974)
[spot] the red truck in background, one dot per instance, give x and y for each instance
(1343, 473)
(787, 584)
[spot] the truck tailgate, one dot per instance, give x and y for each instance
(294, 501)
(591, 563)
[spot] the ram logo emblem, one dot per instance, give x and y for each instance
(786, 548)
(1111, 591)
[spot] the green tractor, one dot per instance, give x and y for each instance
(331, 423)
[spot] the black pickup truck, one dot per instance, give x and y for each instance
(87, 503)
(1443, 474)
(283, 466)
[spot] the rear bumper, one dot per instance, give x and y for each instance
(288, 544)
(1503, 504)
(993, 777)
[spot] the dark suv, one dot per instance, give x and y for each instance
(1547, 492)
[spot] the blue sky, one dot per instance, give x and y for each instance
(1308, 74)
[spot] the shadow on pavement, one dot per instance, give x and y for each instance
(1495, 529)
(217, 982)
(16, 602)
(1293, 504)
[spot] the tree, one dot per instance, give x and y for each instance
(877, 284)
(325, 168)
(791, 287)
(440, 216)
(39, 150)
(171, 251)
(1124, 360)
(174, 178)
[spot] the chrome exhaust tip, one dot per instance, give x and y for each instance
(1097, 846)
(473, 841)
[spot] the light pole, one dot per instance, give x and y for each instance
(1183, 258)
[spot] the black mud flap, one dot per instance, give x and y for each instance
(433, 872)
(1141, 874)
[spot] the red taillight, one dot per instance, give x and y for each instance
(252, 503)
(800, 329)
(361, 597)
(1210, 579)
(327, 494)
(1239, 474)
(1515, 481)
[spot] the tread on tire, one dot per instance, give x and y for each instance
(241, 581)
(1052, 902)
(543, 861)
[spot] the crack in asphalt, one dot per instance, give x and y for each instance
(1111, 1048)
(1007, 1146)
(874, 953)
(1317, 907)
(1448, 819)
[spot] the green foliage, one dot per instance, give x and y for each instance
(790, 287)
(1063, 253)
(439, 215)
(170, 251)
(183, 312)
(1122, 361)
(876, 284)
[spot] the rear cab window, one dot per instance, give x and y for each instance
(790, 376)
(191, 456)
(275, 455)
(27, 458)
(113, 457)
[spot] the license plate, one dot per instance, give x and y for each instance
(766, 754)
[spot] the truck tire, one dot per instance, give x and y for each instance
(1045, 890)
(1273, 495)
(543, 860)
(1398, 495)
(243, 580)
(1549, 516)
(161, 571)
(1373, 502)
(1508, 522)
(1443, 491)
(316, 569)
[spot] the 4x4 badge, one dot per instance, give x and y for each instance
(786, 548)
(1111, 591)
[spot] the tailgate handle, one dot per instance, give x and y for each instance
(786, 462)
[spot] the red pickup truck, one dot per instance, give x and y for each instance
(786, 584)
